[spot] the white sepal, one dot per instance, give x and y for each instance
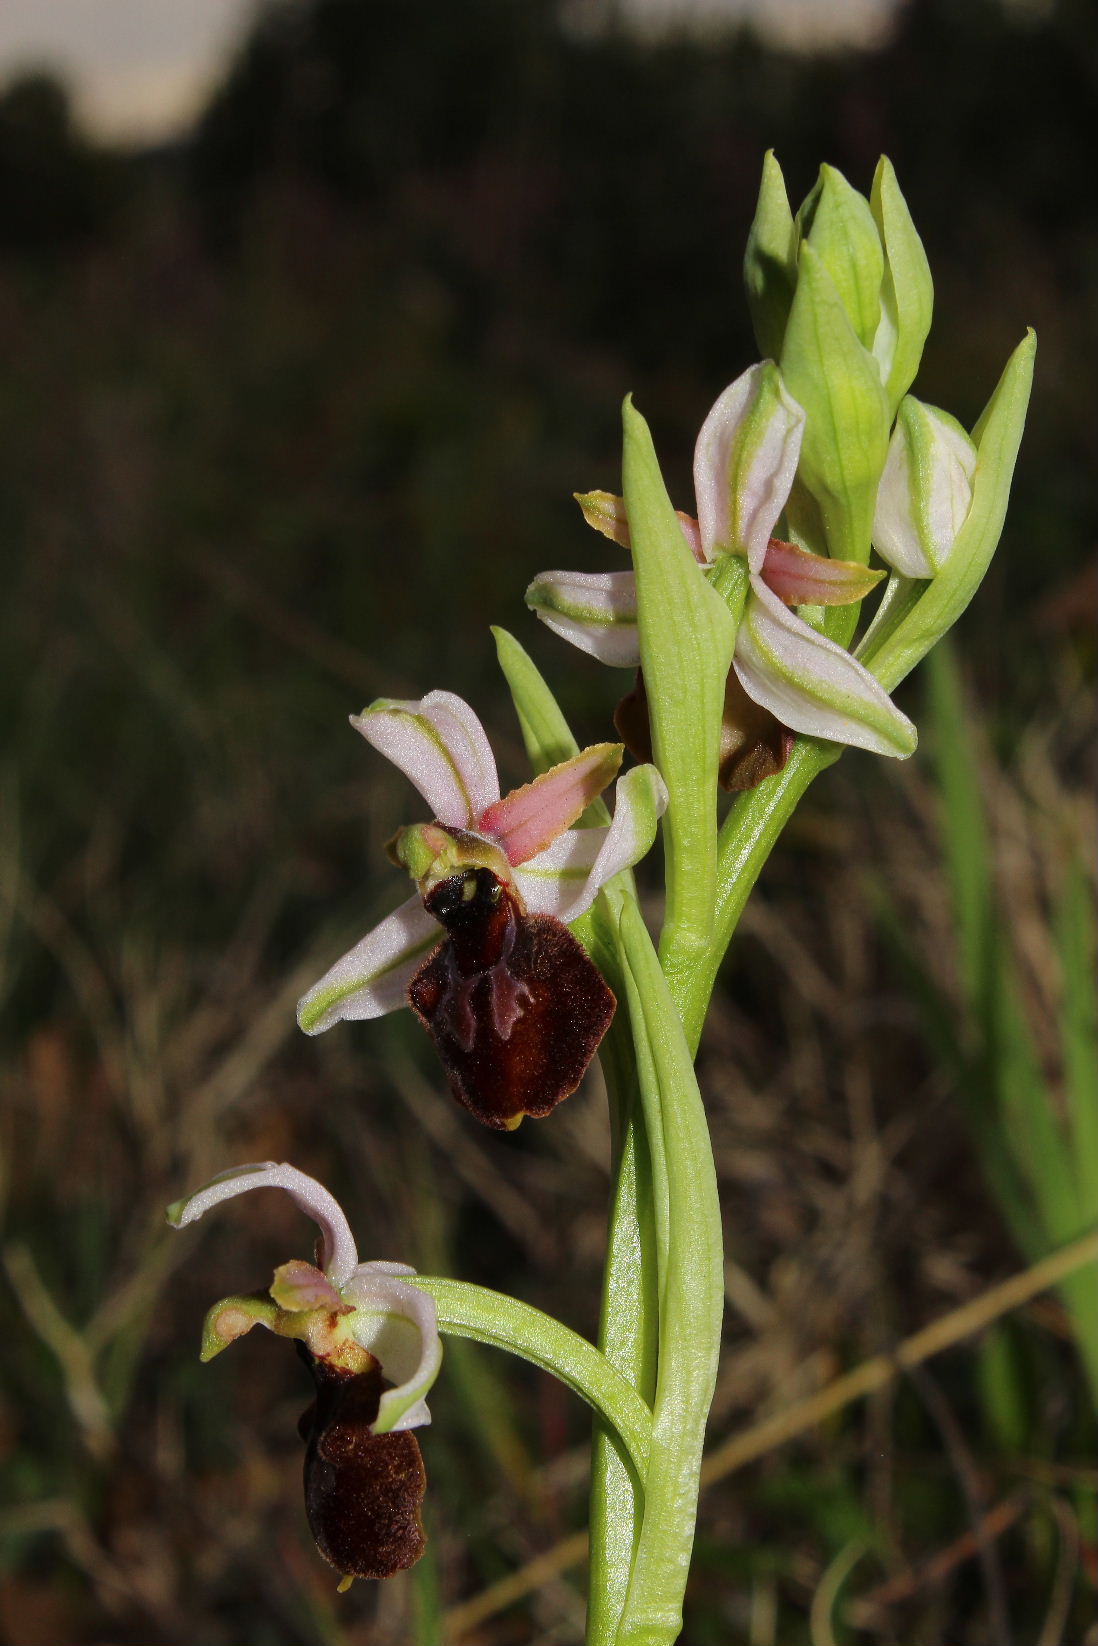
(371, 979)
(441, 746)
(812, 685)
(596, 611)
(745, 459)
(398, 1324)
(338, 1253)
(925, 491)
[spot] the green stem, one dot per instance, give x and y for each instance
(691, 1295)
(747, 837)
(629, 1323)
(502, 1322)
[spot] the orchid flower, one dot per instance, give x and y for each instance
(509, 985)
(372, 1344)
(745, 463)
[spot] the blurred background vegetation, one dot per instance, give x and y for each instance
(291, 409)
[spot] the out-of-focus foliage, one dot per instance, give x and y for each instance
(288, 414)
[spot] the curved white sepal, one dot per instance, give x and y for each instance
(565, 879)
(745, 459)
(371, 979)
(338, 1253)
(925, 491)
(812, 685)
(596, 611)
(398, 1324)
(441, 746)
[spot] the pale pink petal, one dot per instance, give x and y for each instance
(399, 1324)
(812, 685)
(606, 513)
(525, 821)
(800, 578)
(338, 1255)
(371, 979)
(744, 463)
(565, 878)
(596, 611)
(299, 1286)
(439, 744)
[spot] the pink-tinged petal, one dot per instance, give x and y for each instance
(439, 744)
(370, 979)
(812, 685)
(606, 513)
(529, 819)
(397, 1323)
(596, 611)
(744, 463)
(800, 578)
(338, 1255)
(565, 878)
(298, 1286)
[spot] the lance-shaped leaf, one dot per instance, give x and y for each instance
(687, 635)
(546, 734)
(907, 290)
(770, 262)
(812, 685)
(440, 745)
(925, 491)
(835, 379)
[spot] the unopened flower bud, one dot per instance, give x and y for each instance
(925, 491)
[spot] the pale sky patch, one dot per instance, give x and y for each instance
(141, 70)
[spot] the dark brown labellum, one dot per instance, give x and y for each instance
(362, 1491)
(514, 1005)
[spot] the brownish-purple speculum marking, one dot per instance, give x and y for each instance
(363, 1492)
(512, 1001)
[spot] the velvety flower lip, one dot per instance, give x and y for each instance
(745, 462)
(376, 1311)
(529, 837)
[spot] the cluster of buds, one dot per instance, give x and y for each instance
(822, 444)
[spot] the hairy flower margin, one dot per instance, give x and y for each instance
(372, 1344)
(525, 838)
(745, 465)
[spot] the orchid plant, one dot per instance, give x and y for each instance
(523, 949)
